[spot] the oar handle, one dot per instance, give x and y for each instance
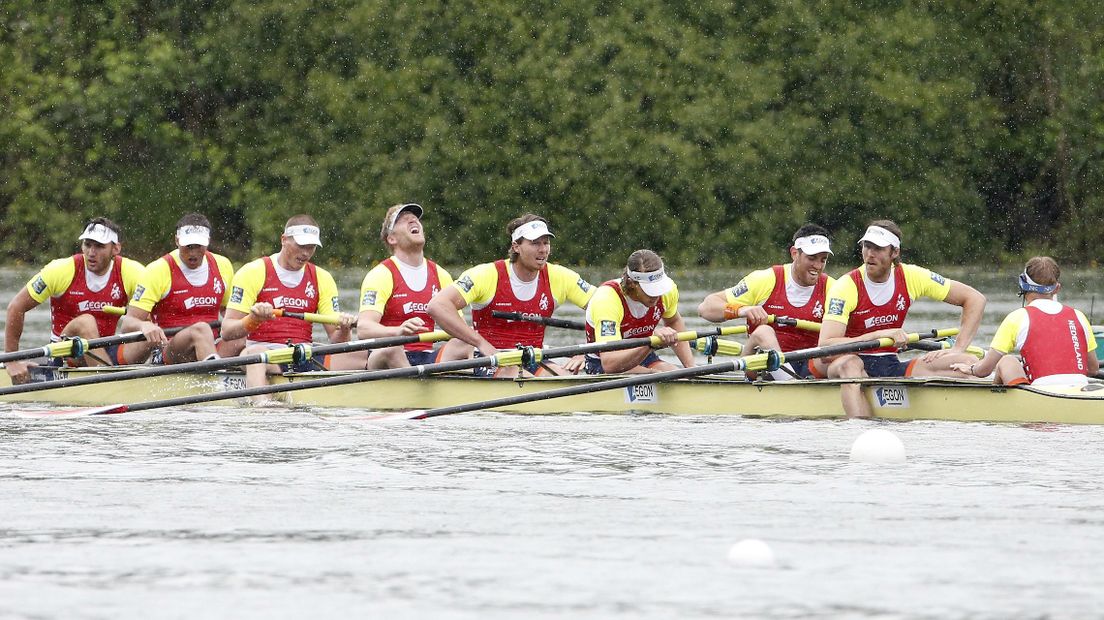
(310, 317)
(536, 318)
(810, 326)
(73, 347)
(928, 345)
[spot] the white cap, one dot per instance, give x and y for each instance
(304, 234)
(881, 237)
(416, 209)
(653, 283)
(532, 231)
(813, 244)
(100, 234)
(193, 235)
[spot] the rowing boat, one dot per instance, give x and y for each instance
(895, 399)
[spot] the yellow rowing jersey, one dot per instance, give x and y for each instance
(250, 279)
(757, 286)
(156, 281)
(379, 284)
(606, 314)
(55, 278)
(1012, 332)
(477, 286)
(843, 296)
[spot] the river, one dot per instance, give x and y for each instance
(275, 513)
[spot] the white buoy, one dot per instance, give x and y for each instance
(878, 446)
(751, 552)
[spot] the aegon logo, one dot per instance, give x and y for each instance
(192, 302)
(637, 331)
(411, 307)
(878, 321)
(290, 302)
(92, 306)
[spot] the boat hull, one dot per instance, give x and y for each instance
(898, 399)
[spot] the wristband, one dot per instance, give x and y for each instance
(732, 311)
(250, 323)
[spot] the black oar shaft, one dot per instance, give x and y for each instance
(536, 318)
(204, 366)
(94, 343)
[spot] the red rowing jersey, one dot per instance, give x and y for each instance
(301, 298)
(79, 299)
(506, 334)
(188, 303)
(867, 317)
(1056, 344)
(790, 338)
(631, 326)
(406, 303)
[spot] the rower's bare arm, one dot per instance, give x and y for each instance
(343, 330)
(981, 368)
(972, 303)
(445, 309)
(237, 324)
(713, 308)
(13, 332)
(369, 326)
(614, 362)
(138, 320)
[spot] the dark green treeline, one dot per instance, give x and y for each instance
(705, 130)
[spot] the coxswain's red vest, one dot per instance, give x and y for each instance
(867, 317)
(506, 334)
(79, 299)
(406, 303)
(1056, 344)
(188, 303)
(302, 298)
(791, 338)
(631, 326)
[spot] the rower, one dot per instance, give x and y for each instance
(633, 307)
(797, 291)
(287, 280)
(1055, 341)
(395, 294)
(525, 283)
(871, 302)
(185, 288)
(83, 289)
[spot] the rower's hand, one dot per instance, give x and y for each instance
(347, 321)
(413, 325)
(966, 369)
(262, 311)
(667, 335)
(18, 371)
(755, 316)
(154, 334)
(899, 336)
(575, 364)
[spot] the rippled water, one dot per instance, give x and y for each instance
(222, 512)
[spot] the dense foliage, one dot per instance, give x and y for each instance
(706, 130)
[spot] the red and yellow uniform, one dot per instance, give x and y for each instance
(492, 286)
(866, 306)
(175, 297)
(611, 315)
(779, 294)
(73, 290)
(311, 290)
(1053, 340)
(386, 291)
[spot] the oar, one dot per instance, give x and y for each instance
(504, 358)
(282, 355)
(536, 318)
(310, 317)
(756, 362)
(75, 347)
(929, 345)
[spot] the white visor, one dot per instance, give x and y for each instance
(100, 234)
(881, 237)
(416, 209)
(653, 283)
(193, 235)
(813, 244)
(532, 231)
(304, 234)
